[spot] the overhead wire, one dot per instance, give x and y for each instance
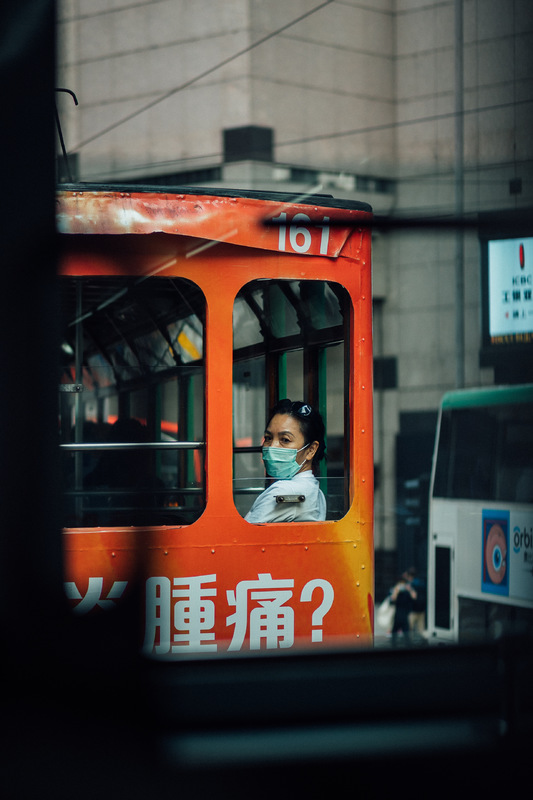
(399, 124)
(301, 140)
(203, 74)
(352, 132)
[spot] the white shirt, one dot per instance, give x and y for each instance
(312, 509)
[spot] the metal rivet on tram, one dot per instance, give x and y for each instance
(213, 550)
(262, 549)
(306, 547)
(358, 584)
(113, 555)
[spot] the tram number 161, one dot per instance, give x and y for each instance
(300, 237)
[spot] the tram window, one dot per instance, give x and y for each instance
(289, 342)
(131, 403)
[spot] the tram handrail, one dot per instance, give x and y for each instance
(93, 446)
(90, 446)
(127, 490)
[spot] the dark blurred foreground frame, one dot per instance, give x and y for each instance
(82, 714)
(30, 554)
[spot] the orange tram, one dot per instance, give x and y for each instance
(186, 314)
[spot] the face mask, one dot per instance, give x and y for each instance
(280, 462)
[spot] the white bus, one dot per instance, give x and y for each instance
(480, 549)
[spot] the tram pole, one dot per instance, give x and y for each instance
(459, 201)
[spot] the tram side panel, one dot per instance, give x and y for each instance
(220, 584)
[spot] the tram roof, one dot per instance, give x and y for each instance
(322, 200)
(244, 218)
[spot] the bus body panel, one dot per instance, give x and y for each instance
(479, 571)
(480, 554)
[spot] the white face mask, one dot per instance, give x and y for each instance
(280, 462)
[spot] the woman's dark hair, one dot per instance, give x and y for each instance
(310, 421)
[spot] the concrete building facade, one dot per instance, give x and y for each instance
(419, 107)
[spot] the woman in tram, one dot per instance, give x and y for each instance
(293, 445)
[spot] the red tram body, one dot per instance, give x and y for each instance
(211, 582)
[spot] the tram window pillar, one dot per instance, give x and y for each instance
(275, 378)
(124, 405)
(154, 418)
(186, 407)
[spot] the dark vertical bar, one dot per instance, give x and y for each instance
(78, 404)
(459, 198)
(349, 392)
(443, 566)
(276, 321)
(272, 379)
(311, 382)
(30, 544)
(185, 402)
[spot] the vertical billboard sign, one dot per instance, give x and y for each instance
(510, 290)
(506, 241)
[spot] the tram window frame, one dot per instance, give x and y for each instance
(159, 302)
(310, 348)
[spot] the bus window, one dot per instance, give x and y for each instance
(289, 342)
(514, 471)
(466, 450)
(131, 413)
(485, 453)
